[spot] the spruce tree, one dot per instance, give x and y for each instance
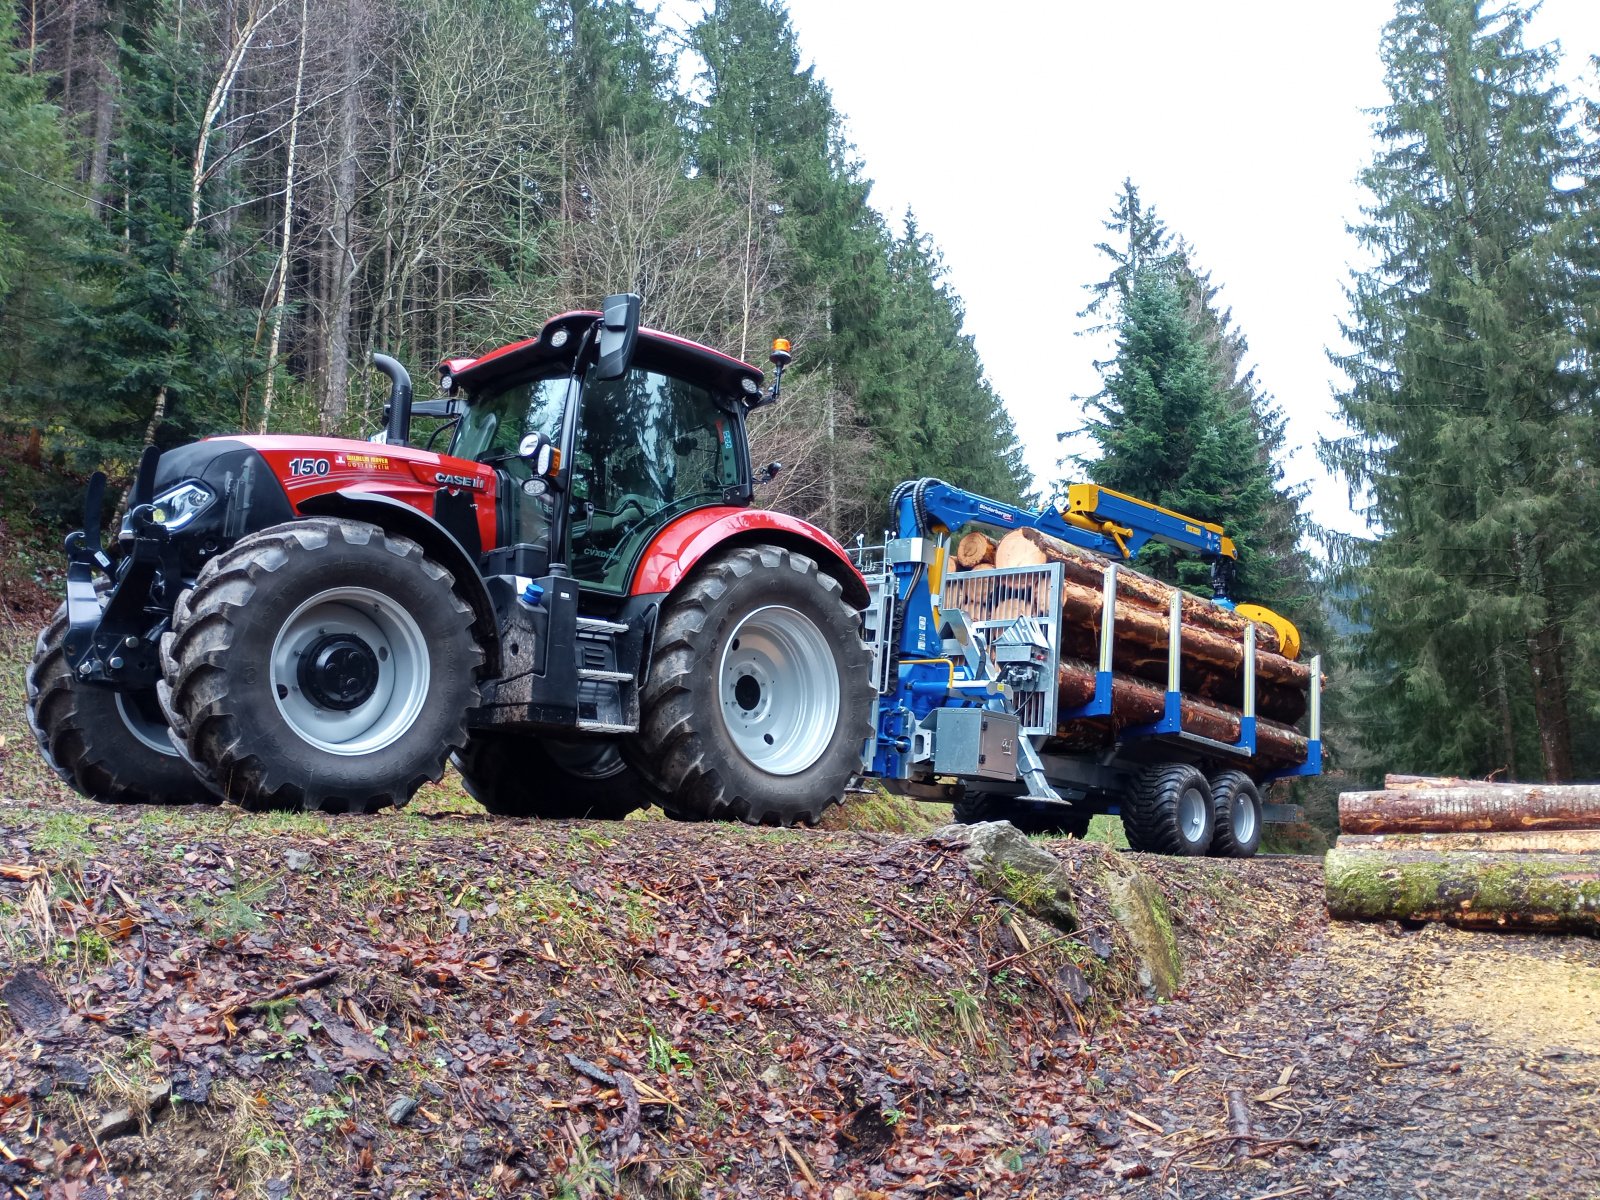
(1472, 408)
(150, 317)
(1181, 420)
(41, 223)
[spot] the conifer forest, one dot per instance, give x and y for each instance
(212, 212)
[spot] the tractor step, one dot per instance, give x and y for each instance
(605, 727)
(598, 676)
(600, 625)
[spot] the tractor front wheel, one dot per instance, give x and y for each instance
(322, 664)
(514, 776)
(759, 697)
(111, 746)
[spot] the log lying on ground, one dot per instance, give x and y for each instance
(1548, 893)
(1471, 808)
(975, 550)
(1533, 841)
(1032, 548)
(1137, 702)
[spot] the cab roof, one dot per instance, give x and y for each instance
(655, 348)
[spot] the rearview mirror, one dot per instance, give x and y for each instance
(619, 330)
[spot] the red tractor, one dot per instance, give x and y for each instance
(577, 602)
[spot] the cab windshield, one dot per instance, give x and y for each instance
(650, 446)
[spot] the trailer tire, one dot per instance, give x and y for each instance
(760, 695)
(971, 808)
(110, 746)
(387, 702)
(1170, 811)
(1236, 804)
(518, 776)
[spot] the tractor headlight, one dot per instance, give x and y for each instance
(177, 506)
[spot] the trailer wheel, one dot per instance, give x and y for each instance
(1029, 816)
(517, 776)
(760, 696)
(1170, 811)
(323, 664)
(110, 746)
(1236, 805)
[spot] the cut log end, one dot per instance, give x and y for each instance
(975, 550)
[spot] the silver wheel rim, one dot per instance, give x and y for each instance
(402, 673)
(1244, 817)
(1192, 814)
(148, 728)
(778, 689)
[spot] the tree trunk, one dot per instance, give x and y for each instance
(1547, 676)
(1538, 841)
(1032, 547)
(1470, 808)
(287, 242)
(975, 550)
(1136, 702)
(1547, 893)
(1212, 660)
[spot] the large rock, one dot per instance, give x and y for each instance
(1024, 872)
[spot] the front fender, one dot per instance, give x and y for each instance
(673, 553)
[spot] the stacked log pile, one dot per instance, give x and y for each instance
(1213, 640)
(1470, 853)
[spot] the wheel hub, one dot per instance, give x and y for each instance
(350, 670)
(338, 671)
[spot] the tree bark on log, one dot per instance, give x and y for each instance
(975, 550)
(1536, 841)
(1543, 893)
(1136, 702)
(1212, 638)
(1471, 808)
(1033, 547)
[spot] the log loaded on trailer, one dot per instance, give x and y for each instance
(578, 605)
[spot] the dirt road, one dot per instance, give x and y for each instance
(1390, 1063)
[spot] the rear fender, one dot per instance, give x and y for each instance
(395, 516)
(681, 545)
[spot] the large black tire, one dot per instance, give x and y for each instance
(1236, 804)
(1170, 811)
(341, 591)
(1029, 816)
(110, 746)
(514, 776)
(803, 713)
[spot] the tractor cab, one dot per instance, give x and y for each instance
(598, 447)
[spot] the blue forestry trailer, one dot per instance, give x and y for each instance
(982, 703)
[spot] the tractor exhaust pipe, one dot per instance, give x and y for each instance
(397, 410)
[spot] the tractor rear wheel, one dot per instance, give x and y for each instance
(322, 664)
(1170, 811)
(1236, 803)
(111, 746)
(759, 698)
(515, 776)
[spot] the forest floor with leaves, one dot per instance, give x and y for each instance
(210, 1003)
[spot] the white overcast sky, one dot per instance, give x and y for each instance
(1008, 127)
